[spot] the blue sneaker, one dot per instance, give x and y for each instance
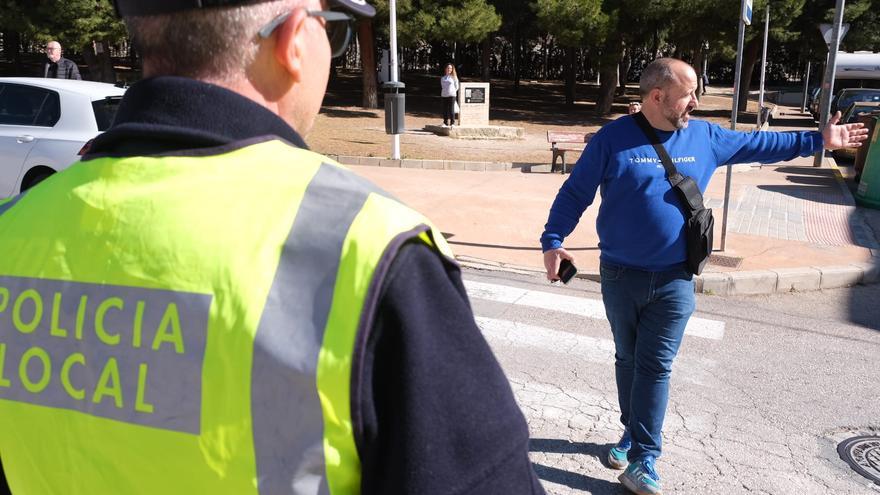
(617, 454)
(640, 477)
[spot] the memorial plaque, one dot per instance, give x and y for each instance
(474, 95)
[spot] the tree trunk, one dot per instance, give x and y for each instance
(544, 57)
(12, 47)
(487, 57)
(656, 46)
(698, 67)
(750, 58)
(88, 53)
(517, 59)
(368, 63)
(569, 75)
(609, 66)
(97, 55)
(105, 61)
(625, 62)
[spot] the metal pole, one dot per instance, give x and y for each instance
(828, 80)
(739, 52)
(806, 88)
(392, 8)
(763, 68)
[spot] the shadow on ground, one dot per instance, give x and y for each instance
(576, 481)
(346, 113)
(516, 248)
(863, 307)
(811, 184)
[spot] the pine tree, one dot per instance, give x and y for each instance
(571, 22)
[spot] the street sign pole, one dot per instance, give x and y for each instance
(392, 7)
(806, 88)
(763, 68)
(745, 18)
(830, 70)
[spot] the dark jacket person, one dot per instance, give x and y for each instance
(58, 67)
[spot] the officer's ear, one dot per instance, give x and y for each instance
(291, 44)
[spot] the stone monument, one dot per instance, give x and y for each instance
(473, 117)
(473, 102)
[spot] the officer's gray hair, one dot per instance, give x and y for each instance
(658, 74)
(215, 43)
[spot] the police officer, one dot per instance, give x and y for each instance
(202, 305)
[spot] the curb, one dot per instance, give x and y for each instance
(755, 282)
(788, 279)
(423, 164)
(497, 266)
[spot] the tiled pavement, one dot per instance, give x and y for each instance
(820, 213)
(792, 227)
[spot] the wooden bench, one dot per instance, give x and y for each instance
(570, 141)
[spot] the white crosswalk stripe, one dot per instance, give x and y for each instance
(590, 349)
(521, 335)
(580, 306)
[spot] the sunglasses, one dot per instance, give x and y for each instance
(338, 28)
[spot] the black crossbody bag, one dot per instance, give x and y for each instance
(699, 222)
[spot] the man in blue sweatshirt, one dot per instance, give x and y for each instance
(646, 287)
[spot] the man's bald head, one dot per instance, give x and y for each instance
(661, 73)
(53, 51)
(668, 90)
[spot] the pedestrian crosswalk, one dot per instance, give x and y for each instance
(579, 306)
(549, 332)
(515, 334)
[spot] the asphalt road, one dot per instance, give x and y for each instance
(763, 390)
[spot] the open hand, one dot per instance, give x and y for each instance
(836, 136)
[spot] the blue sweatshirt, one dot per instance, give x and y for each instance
(641, 220)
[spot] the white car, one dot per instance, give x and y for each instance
(45, 125)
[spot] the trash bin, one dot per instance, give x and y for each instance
(868, 192)
(395, 106)
(862, 151)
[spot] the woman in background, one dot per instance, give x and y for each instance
(448, 92)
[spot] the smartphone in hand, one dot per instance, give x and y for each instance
(566, 271)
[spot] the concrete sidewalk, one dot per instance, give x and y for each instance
(791, 227)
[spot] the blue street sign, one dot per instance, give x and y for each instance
(747, 12)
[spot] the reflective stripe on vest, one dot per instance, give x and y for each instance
(187, 324)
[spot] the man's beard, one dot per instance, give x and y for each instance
(679, 121)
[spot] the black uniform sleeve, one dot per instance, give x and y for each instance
(437, 414)
(4, 488)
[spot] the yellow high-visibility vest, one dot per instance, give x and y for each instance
(187, 324)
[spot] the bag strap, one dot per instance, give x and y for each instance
(692, 200)
(672, 174)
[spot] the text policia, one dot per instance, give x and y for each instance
(99, 348)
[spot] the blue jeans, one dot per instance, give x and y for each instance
(648, 312)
